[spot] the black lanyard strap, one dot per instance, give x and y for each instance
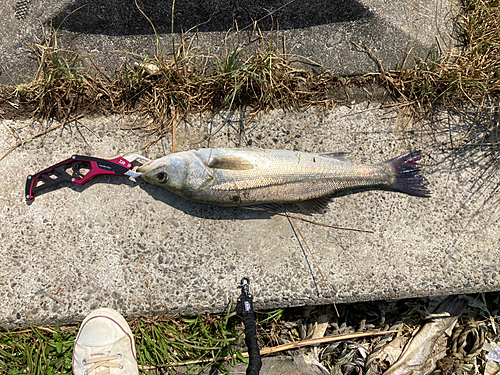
(245, 305)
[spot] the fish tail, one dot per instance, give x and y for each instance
(408, 179)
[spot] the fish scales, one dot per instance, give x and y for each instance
(241, 177)
(305, 176)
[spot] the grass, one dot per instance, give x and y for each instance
(264, 80)
(60, 85)
(37, 351)
(464, 82)
(166, 88)
(168, 343)
(468, 74)
(160, 344)
(163, 344)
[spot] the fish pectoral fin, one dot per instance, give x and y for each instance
(315, 205)
(308, 207)
(340, 156)
(270, 208)
(235, 163)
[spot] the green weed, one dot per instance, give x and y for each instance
(161, 344)
(37, 351)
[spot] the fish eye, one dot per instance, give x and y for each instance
(161, 177)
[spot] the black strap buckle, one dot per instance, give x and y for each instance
(245, 300)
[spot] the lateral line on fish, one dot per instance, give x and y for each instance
(245, 184)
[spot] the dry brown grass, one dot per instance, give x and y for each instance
(465, 83)
(169, 88)
(166, 88)
(470, 73)
(61, 87)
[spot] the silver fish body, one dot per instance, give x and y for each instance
(243, 177)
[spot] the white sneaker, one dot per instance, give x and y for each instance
(104, 345)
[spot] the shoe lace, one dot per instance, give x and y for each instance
(103, 364)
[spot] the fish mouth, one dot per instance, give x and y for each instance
(146, 167)
(143, 168)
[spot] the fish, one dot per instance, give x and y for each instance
(230, 177)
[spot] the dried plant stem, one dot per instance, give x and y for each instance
(24, 141)
(317, 265)
(174, 121)
(323, 224)
(281, 348)
(323, 340)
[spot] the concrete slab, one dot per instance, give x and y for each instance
(135, 247)
(332, 33)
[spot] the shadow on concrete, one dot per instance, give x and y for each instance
(463, 144)
(113, 180)
(116, 17)
(200, 210)
(207, 211)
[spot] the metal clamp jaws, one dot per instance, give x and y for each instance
(84, 168)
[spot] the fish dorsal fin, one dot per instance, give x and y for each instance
(232, 162)
(340, 156)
